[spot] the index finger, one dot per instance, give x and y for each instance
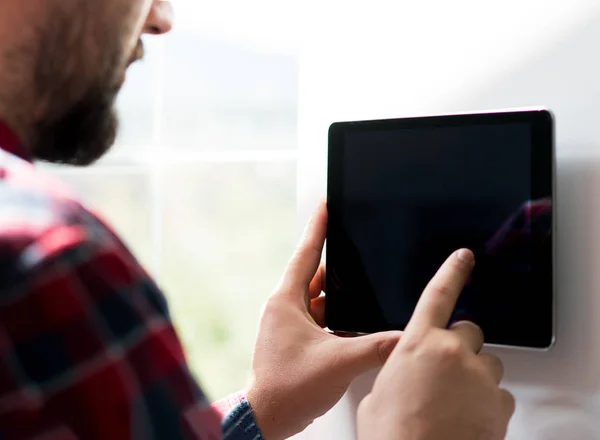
(438, 300)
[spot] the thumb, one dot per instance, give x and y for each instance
(363, 353)
(307, 257)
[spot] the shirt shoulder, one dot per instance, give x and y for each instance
(33, 202)
(79, 316)
(39, 217)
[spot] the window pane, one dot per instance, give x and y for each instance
(122, 199)
(229, 230)
(223, 95)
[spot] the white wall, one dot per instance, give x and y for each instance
(409, 57)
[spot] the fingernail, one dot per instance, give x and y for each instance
(466, 256)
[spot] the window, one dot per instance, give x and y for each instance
(202, 181)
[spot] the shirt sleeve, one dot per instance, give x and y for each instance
(238, 419)
(88, 349)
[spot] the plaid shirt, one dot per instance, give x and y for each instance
(87, 346)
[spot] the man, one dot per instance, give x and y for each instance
(87, 347)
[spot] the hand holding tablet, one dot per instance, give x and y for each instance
(405, 193)
(435, 385)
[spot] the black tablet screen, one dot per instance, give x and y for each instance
(409, 197)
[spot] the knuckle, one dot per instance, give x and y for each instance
(495, 360)
(282, 286)
(491, 366)
(443, 290)
(271, 307)
(509, 401)
(479, 334)
(472, 327)
(450, 348)
(411, 342)
(442, 346)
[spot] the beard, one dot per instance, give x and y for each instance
(81, 134)
(78, 81)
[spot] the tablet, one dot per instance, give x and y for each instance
(403, 194)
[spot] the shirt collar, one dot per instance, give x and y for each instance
(10, 143)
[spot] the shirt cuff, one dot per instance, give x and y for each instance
(224, 406)
(240, 424)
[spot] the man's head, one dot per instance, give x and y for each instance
(62, 64)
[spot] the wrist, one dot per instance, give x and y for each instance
(264, 418)
(270, 415)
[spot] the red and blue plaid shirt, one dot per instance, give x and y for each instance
(87, 346)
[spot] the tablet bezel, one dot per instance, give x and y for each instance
(543, 170)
